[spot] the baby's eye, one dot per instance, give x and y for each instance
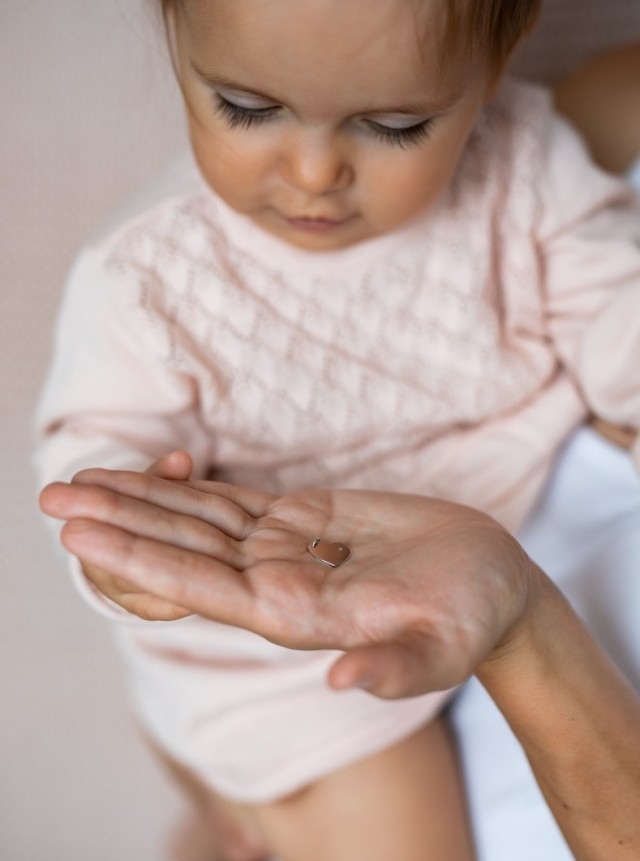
(403, 136)
(243, 116)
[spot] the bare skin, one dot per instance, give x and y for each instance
(409, 797)
(247, 534)
(217, 829)
(582, 738)
(408, 786)
(433, 592)
(394, 798)
(602, 100)
(620, 436)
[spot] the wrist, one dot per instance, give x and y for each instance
(578, 721)
(522, 647)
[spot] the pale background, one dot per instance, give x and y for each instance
(89, 112)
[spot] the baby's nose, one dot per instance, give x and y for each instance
(317, 164)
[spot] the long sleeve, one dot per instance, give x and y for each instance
(109, 399)
(590, 232)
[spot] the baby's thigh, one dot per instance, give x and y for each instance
(405, 802)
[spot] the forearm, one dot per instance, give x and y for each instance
(579, 724)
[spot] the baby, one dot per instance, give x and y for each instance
(399, 272)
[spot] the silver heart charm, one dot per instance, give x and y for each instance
(332, 553)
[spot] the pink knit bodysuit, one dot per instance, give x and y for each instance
(450, 358)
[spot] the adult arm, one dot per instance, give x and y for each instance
(432, 593)
(578, 722)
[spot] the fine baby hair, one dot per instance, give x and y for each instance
(488, 28)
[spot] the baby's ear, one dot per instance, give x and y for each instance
(176, 466)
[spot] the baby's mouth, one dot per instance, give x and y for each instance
(315, 223)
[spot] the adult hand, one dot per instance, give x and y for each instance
(175, 466)
(431, 590)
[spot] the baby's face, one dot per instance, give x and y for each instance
(326, 122)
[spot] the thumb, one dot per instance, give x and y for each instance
(393, 670)
(177, 465)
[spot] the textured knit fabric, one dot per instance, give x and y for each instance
(450, 358)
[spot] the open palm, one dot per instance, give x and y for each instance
(430, 590)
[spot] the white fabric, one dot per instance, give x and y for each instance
(585, 533)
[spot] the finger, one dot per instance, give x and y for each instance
(394, 670)
(253, 502)
(49, 500)
(218, 510)
(146, 520)
(177, 465)
(153, 609)
(140, 603)
(181, 577)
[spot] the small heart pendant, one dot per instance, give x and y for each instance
(329, 552)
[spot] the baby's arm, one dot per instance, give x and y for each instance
(110, 401)
(602, 100)
(589, 237)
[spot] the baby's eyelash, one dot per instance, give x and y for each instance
(242, 118)
(239, 117)
(403, 138)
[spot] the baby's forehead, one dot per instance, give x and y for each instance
(329, 50)
(421, 11)
(415, 26)
(451, 30)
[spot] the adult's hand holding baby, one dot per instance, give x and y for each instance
(430, 591)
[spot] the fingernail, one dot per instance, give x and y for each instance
(365, 683)
(77, 526)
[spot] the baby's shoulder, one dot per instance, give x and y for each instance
(516, 125)
(532, 164)
(148, 259)
(498, 181)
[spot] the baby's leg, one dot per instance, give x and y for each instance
(215, 829)
(406, 803)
